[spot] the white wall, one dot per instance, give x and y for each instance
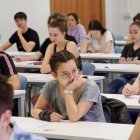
(115, 19)
(37, 14)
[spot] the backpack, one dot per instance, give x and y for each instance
(116, 109)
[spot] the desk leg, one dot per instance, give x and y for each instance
(21, 108)
(29, 99)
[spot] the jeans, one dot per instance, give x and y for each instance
(23, 82)
(117, 85)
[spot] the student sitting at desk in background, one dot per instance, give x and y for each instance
(72, 97)
(57, 29)
(130, 55)
(9, 130)
(41, 52)
(99, 39)
(75, 29)
(26, 38)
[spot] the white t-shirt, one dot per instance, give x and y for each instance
(107, 36)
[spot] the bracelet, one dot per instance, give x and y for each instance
(45, 115)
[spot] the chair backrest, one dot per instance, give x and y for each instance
(87, 68)
(118, 49)
(23, 82)
(119, 37)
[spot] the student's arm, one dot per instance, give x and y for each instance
(14, 81)
(129, 90)
(76, 111)
(5, 46)
(45, 67)
(84, 46)
(135, 134)
(123, 60)
(42, 106)
(33, 57)
(28, 46)
(106, 49)
(71, 47)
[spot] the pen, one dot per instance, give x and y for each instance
(106, 67)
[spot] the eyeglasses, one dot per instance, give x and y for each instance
(66, 75)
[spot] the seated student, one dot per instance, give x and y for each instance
(41, 52)
(8, 69)
(72, 97)
(9, 130)
(25, 38)
(76, 29)
(136, 18)
(99, 39)
(57, 29)
(130, 55)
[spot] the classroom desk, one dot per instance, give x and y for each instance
(27, 65)
(117, 68)
(131, 102)
(20, 95)
(14, 53)
(37, 78)
(120, 42)
(87, 56)
(75, 131)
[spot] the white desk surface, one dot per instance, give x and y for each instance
(121, 68)
(27, 65)
(14, 53)
(34, 78)
(43, 78)
(120, 42)
(77, 130)
(99, 56)
(131, 102)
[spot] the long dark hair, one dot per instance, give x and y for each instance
(96, 25)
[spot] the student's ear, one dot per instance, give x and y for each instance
(54, 74)
(6, 118)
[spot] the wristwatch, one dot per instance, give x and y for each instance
(68, 91)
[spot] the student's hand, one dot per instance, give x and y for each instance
(90, 35)
(19, 32)
(129, 90)
(55, 117)
(18, 58)
(77, 82)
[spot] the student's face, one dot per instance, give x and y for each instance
(21, 23)
(71, 22)
(66, 72)
(56, 36)
(134, 32)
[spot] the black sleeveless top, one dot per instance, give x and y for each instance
(79, 62)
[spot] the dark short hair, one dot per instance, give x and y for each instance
(96, 25)
(60, 57)
(74, 15)
(20, 15)
(136, 17)
(6, 95)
